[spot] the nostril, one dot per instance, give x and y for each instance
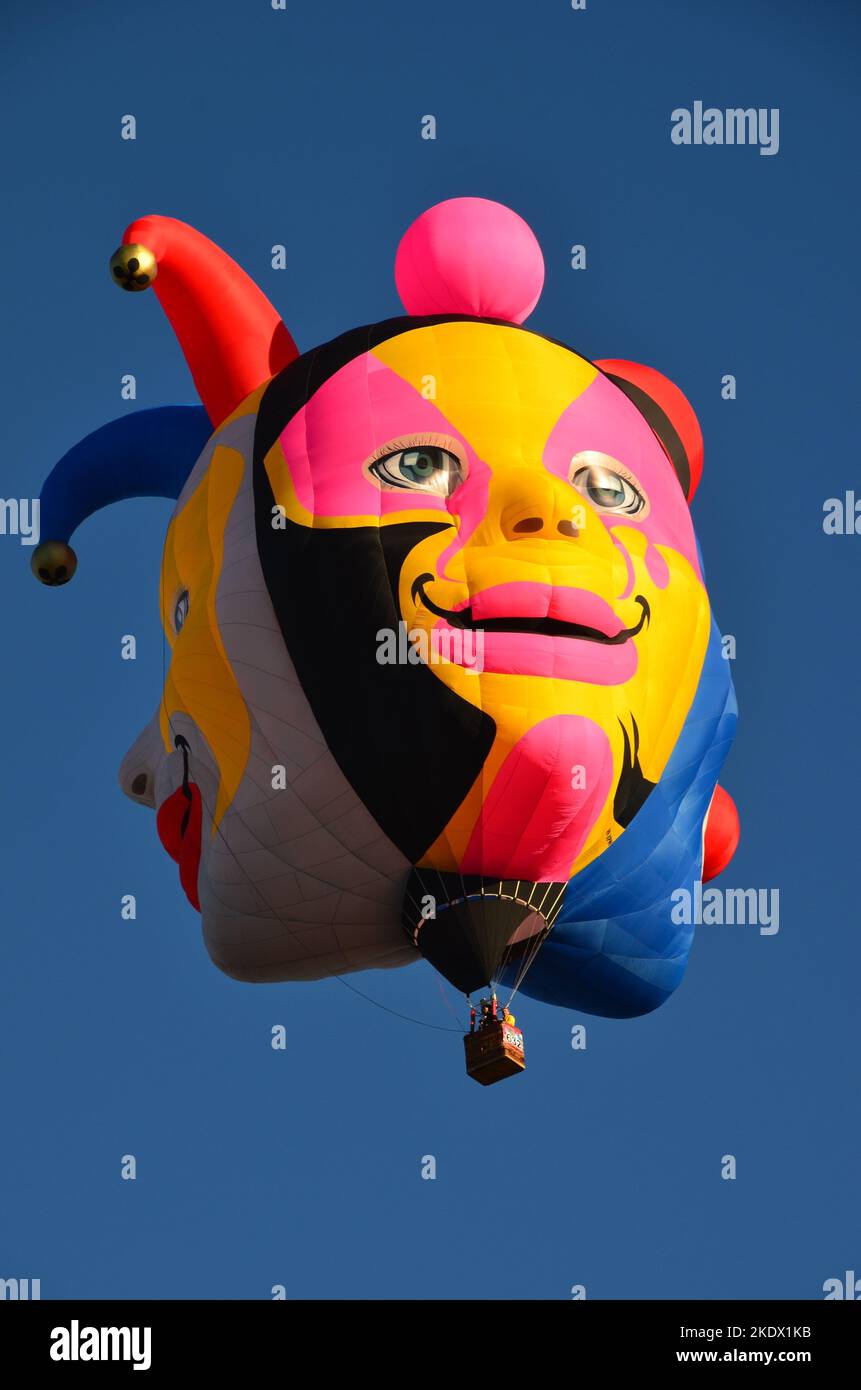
(567, 528)
(139, 784)
(528, 524)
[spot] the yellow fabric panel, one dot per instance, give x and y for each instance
(503, 390)
(200, 681)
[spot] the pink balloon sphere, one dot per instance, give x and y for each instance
(470, 256)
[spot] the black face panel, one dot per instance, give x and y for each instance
(409, 746)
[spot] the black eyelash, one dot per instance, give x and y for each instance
(413, 441)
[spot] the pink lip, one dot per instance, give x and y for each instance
(529, 600)
(178, 822)
(564, 658)
(538, 654)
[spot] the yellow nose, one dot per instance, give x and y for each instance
(529, 504)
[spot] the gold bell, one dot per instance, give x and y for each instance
(53, 563)
(133, 267)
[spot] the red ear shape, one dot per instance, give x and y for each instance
(669, 413)
(720, 840)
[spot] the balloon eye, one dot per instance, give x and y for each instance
(180, 612)
(427, 469)
(608, 490)
(419, 464)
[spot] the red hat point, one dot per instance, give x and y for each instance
(232, 337)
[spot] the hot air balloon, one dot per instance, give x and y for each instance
(444, 679)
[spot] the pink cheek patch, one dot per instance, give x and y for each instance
(544, 801)
(604, 420)
(629, 568)
(659, 571)
(355, 412)
(469, 505)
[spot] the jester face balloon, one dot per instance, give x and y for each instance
(444, 678)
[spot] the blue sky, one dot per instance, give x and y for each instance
(302, 1168)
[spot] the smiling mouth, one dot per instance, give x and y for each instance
(548, 627)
